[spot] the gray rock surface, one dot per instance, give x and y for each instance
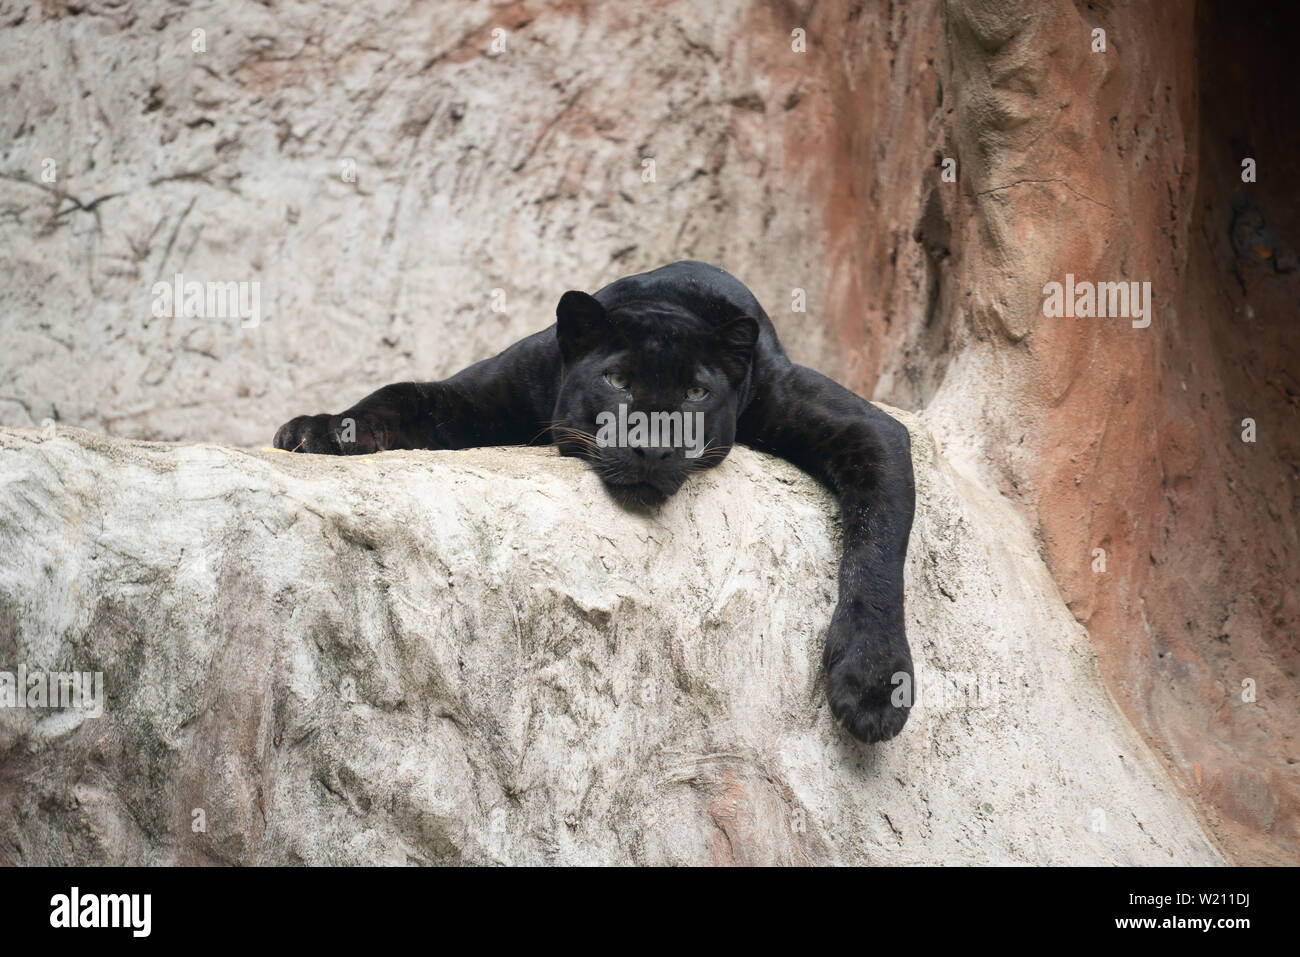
(424, 657)
(409, 197)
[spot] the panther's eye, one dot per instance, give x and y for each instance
(697, 392)
(616, 379)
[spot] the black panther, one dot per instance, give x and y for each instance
(686, 338)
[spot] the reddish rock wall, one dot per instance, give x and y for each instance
(1115, 165)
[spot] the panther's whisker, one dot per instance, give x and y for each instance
(582, 440)
(556, 425)
(575, 433)
(544, 430)
(713, 453)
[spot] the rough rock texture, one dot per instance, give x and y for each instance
(1113, 166)
(523, 171)
(478, 657)
(520, 171)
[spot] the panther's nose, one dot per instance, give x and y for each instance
(653, 454)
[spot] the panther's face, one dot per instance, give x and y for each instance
(650, 392)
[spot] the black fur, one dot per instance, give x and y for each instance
(682, 326)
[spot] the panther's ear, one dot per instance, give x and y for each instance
(734, 347)
(580, 323)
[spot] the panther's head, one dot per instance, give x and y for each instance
(650, 392)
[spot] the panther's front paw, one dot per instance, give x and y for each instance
(869, 685)
(331, 435)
